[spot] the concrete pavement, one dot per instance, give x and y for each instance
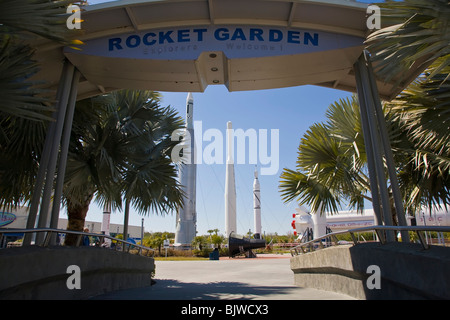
(267, 277)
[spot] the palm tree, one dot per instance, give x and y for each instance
(419, 33)
(20, 21)
(419, 36)
(211, 231)
(120, 150)
(328, 168)
(330, 163)
(25, 109)
(21, 142)
(199, 242)
(423, 114)
(156, 240)
(217, 240)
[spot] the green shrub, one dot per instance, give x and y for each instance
(204, 252)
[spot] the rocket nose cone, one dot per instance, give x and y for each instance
(229, 124)
(189, 97)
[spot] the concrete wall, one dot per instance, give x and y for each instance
(406, 271)
(41, 273)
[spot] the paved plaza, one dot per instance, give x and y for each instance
(267, 277)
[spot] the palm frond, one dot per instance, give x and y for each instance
(47, 19)
(419, 32)
(329, 162)
(18, 96)
(307, 190)
(124, 150)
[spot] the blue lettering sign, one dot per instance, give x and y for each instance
(256, 33)
(221, 34)
(234, 41)
(238, 34)
(275, 35)
(6, 218)
(183, 36)
(133, 41)
(293, 37)
(145, 39)
(308, 38)
(165, 36)
(115, 42)
(200, 33)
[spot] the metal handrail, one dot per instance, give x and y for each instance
(102, 237)
(378, 229)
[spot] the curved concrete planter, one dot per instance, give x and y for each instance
(406, 271)
(42, 273)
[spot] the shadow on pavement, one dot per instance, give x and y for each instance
(169, 289)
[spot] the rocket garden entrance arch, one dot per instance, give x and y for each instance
(187, 45)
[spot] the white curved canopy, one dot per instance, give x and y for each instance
(174, 45)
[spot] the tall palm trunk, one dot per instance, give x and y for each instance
(76, 218)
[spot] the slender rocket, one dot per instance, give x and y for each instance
(186, 215)
(257, 205)
(230, 187)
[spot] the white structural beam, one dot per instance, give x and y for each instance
(378, 148)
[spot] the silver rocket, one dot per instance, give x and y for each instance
(257, 205)
(230, 187)
(186, 223)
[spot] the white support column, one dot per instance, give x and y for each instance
(372, 124)
(387, 149)
(64, 149)
(368, 146)
(47, 165)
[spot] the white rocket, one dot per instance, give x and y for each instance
(106, 222)
(187, 215)
(106, 218)
(257, 205)
(230, 187)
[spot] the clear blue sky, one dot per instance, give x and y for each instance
(290, 110)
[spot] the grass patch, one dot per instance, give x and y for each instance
(174, 258)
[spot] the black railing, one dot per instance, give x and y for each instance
(53, 233)
(380, 231)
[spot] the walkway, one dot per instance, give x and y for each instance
(267, 277)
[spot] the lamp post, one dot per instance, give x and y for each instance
(142, 232)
